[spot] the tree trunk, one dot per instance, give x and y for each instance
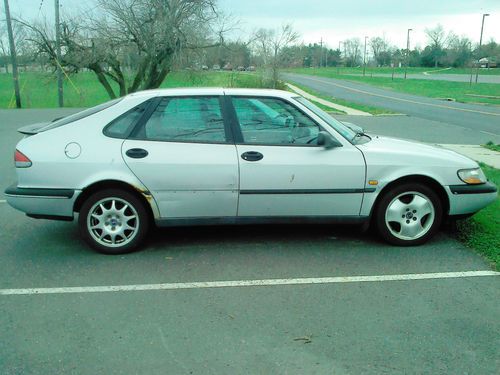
(103, 81)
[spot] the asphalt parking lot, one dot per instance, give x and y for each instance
(439, 314)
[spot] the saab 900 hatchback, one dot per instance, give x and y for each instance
(234, 156)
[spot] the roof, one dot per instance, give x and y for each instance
(213, 91)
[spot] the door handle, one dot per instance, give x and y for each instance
(136, 153)
(252, 156)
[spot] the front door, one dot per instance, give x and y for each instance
(282, 170)
(184, 156)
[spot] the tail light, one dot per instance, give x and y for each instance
(21, 160)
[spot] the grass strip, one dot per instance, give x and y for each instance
(459, 91)
(481, 231)
(491, 146)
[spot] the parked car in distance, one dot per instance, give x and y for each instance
(216, 67)
(251, 68)
(240, 68)
(234, 156)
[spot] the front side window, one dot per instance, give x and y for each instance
(272, 121)
(186, 119)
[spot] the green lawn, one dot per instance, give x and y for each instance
(361, 107)
(38, 90)
(482, 231)
(430, 88)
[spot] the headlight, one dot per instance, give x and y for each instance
(472, 176)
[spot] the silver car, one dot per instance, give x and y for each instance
(234, 156)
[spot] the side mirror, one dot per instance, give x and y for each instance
(326, 140)
(354, 127)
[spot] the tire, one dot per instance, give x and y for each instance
(409, 215)
(113, 221)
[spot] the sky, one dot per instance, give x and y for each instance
(332, 20)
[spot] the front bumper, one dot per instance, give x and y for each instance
(468, 199)
(43, 203)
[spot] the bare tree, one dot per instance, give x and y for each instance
(381, 50)
(152, 31)
(458, 50)
(271, 44)
(352, 51)
(437, 39)
(23, 46)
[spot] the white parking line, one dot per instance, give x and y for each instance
(3, 201)
(244, 283)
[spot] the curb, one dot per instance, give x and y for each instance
(477, 153)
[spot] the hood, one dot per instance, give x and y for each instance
(399, 151)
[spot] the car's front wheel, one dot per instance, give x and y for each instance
(409, 214)
(113, 221)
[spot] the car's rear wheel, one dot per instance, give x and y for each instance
(409, 214)
(113, 221)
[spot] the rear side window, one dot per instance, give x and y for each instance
(123, 125)
(186, 119)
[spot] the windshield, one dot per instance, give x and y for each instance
(80, 115)
(344, 131)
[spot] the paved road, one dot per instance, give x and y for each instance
(419, 129)
(446, 326)
(440, 77)
(477, 118)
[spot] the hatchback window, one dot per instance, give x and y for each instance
(272, 121)
(188, 119)
(80, 115)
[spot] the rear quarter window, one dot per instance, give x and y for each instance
(122, 126)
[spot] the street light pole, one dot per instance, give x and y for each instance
(12, 47)
(364, 58)
(407, 50)
(480, 42)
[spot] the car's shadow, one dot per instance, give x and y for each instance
(252, 235)
(59, 239)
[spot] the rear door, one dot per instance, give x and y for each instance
(282, 170)
(184, 154)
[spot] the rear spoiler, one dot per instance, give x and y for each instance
(33, 128)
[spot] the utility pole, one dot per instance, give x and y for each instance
(407, 50)
(471, 64)
(345, 54)
(58, 56)
(13, 57)
(364, 58)
(321, 53)
(480, 42)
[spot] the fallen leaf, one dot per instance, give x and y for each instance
(306, 339)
